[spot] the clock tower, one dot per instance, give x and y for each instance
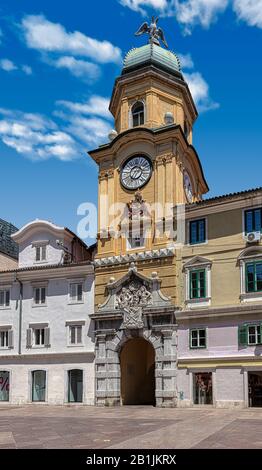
(147, 170)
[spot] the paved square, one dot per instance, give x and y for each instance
(49, 427)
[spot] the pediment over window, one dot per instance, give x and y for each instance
(197, 261)
(251, 252)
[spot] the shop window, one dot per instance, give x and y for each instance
(38, 385)
(75, 386)
(4, 385)
(203, 394)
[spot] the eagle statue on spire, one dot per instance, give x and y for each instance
(155, 34)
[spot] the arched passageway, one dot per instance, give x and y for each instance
(137, 359)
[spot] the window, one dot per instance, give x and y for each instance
(136, 241)
(4, 298)
(38, 385)
(198, 338)
(75, 334)
(75, 386)
(4, 385)
(39, 336)
(254, 277)
(76, 292)
(138, 114)
(202, 384)
(253, 220)
(6, 339)
(249, 335)
(198, 284)
(197, 231)
(40, 295)
(40, 253)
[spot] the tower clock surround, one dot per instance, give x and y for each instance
(136, 172)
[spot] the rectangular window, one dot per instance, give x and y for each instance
(253, 220)
(75, 334)
(40, 253)
(198, 284)
(254, 334)
(197, 231)
(4, 337)
(254, 277)
(39, 337)
(38, 385)
(40, 295)
(135, 242)
(198, 338)
(76, 292)
(4, 298)
(4, 385)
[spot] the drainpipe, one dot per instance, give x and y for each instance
(20, 313)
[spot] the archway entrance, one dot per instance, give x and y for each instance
(137, 359)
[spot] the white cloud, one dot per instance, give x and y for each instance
(249, 11)
(45, 36)
(79, 68)
(186, 61)
(92, 131)
(200, 91)
(203, 12)
(7, 65)
(35, 136)
(137, 5)
(96, 105)
(27, 69)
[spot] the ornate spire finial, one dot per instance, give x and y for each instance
(155, 34)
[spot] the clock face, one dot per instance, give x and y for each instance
(136, 172)
(188, 188)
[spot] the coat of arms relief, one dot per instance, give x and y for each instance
(132, 299)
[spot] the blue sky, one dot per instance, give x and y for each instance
(57, 70)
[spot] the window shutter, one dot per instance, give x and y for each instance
(43, 295)
(79, 334)
(10, 339)
(29, 338)
(37, 295)
(79, 292)
(2, 298)
(44, 253)
(38, 254)
(242, 335)
(47, 337)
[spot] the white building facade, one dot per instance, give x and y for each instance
(46, 338)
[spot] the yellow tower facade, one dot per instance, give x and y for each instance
(147, 170)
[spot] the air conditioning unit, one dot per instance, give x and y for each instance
(253, 237)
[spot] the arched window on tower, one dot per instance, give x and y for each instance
(186, 129)
(138, 114)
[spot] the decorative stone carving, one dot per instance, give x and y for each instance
(131, 300)
(106, 173)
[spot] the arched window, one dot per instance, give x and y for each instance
(138, 114)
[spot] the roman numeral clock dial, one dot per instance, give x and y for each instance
(136, 172)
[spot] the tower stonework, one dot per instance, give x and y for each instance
(148, 170)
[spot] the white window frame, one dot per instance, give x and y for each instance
(131, 248)
(6, 289)
(198, 329)
(131, 122)
(198, 303)
(71, 299)
(246, 259)
(256, 335)
(75, 324)
(42, 246)
(34, 344)
(40, 287)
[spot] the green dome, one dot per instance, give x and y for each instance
(152, 54)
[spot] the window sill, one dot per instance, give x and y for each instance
(39, 305)
(80, 345)
(198, 243)
(251, 297)
(197, 347)
(198, 303)
(5, 308)
(76, 303)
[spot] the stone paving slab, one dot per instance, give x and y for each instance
(49, 427)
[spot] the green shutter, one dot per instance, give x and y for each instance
(242, 335)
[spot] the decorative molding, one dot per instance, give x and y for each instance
(105, 174)
(132, 257)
